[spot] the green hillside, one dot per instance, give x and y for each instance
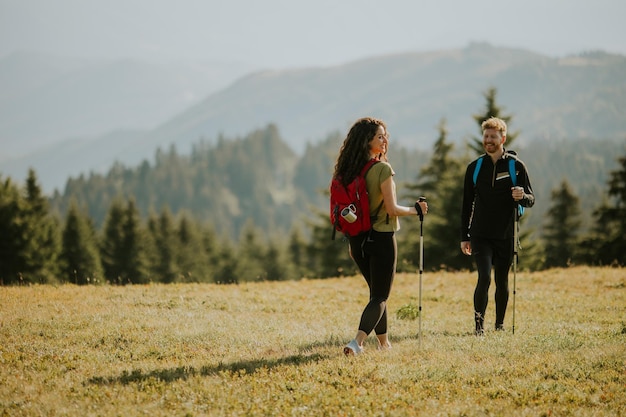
(259, 177)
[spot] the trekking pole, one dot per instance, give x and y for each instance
(421, 270)
(515, 254)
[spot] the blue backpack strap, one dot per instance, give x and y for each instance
(479, 163)
(512, 172)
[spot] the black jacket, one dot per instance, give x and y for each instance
(488, 209)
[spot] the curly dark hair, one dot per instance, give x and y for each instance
(355, 151)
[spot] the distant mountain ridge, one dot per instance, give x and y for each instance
(45, 99)
(550, 98)
(582, 96)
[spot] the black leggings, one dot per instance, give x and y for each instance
(499, 254)
(375, 254)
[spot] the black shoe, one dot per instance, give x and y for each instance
(499, 327)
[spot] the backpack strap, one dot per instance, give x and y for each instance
(369, 164)
(479, 163)
(512, 172)
(375, 216)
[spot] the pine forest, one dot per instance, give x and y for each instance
(251, 209)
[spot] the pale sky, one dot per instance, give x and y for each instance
(296, 33)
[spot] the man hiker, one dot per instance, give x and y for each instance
(492, 196)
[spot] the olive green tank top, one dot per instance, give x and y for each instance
(374, 178)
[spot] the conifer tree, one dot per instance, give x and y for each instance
(561, 227)
(80, 257)
(13, 239)
(124, 248)
(153, 232)
(112, 246)
(162, 230)
(211, 250)
(43, 240)
(192, 257)
(441, 182)
(296, 252)
(134, 260)
(606, 244)
(328, 258)
(276, 267)
(492, 109)
(226, 266)
(250, 254)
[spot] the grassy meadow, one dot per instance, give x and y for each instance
(275, 349)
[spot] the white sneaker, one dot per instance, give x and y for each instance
(352, 348)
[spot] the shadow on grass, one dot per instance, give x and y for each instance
(339, 343)
(184, 372)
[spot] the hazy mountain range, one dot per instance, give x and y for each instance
(46, 99)
(65, 118)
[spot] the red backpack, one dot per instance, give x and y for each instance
(349, 205)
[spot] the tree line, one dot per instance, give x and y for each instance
(106, 228)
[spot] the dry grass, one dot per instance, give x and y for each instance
(275, 349)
